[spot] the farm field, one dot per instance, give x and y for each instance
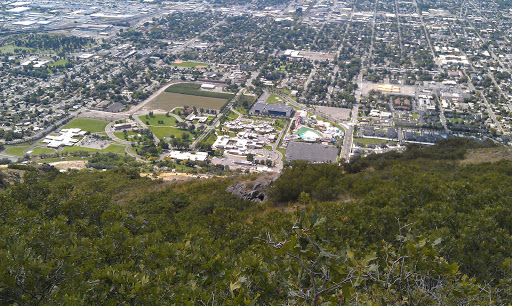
(90, 125)
(194, 89)
(166, 101)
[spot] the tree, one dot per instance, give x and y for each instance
(250, 157)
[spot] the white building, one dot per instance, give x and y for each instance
(207, 86)
(198, 156)
(65, 138)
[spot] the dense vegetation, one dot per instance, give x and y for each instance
(57, 43)
(110, 161)
(194, 90)
(414, 228)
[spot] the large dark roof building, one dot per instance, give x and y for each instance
(276, 110)
(312, 152)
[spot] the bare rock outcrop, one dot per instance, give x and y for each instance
(252, 190)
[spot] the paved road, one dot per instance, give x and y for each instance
(144, 126)
(110, 132)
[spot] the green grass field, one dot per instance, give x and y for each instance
(42, 150)
(189, 64)
(232, 115)
(283, 152)
(10, 49)
(18, 151)
(210, 139)
(121, 135)
(273, 99)
(167, 121)
(89, 125)
(61, 62)
(367, 141)
(113, 148)
(162, 132)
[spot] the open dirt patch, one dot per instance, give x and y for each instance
(71, 164)
(487, 155)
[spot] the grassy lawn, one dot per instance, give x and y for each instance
(273, 99)
(18, 151)
(121, 135)
(283, 91)
(113, 148)
(415, 116)
(367, 141)
(283, 152)
(10, 49)
(268, 147)
(162, 132)
(41, 150)
(456, 120)
(232, 116)
(89, 125)
(279, 123)
(61, 62)
(241, 110)
(167, 121)
(189, 64)
(210, 139)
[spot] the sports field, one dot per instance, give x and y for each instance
(189, 64)
(166, 101)
(16, 150)
(90, 125)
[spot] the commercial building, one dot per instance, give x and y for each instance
(276, 110)
(197, 156)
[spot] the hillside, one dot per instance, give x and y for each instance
(422, 227)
